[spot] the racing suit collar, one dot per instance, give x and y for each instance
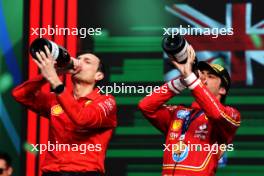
(195, 105)
(91, 96)
(94, 94)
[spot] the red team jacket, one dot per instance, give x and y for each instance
(89, 121)
(211, 123)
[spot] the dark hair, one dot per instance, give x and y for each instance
(7, 158)
(101, 68)
(81, 52)
(223, 97)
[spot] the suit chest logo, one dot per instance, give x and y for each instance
(88, 102)
(176, 125)
(56, 110)
(182, 114)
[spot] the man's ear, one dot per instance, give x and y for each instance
(10, 170)
(222, 91)
(99, 76)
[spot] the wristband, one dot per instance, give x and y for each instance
(176, 85)
(192, 81)
(59, 89)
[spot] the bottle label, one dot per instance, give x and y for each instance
(182, 55)
(54, 50)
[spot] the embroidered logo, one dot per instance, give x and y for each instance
(182, 114)
(56, 110)
(88, 102)
(180, 152)
(176, 125)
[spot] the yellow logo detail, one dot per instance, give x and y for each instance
(56, 110)
(217, 67)
(177, 124)
(88, 102)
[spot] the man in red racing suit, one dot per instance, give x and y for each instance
(196, 136)
(82, 119)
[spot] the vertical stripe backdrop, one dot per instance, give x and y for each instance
(60, 13)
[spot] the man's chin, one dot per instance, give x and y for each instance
(75, 77)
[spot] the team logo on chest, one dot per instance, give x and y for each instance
(173, 135)
(201, 132)
(176, 125)
(179, 151)
(56, 110)
(88, 102)
(182, 114)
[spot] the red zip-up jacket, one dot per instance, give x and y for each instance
(212, 124)
(86, 123)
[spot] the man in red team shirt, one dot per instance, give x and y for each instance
(77, 118)
(207, 123)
